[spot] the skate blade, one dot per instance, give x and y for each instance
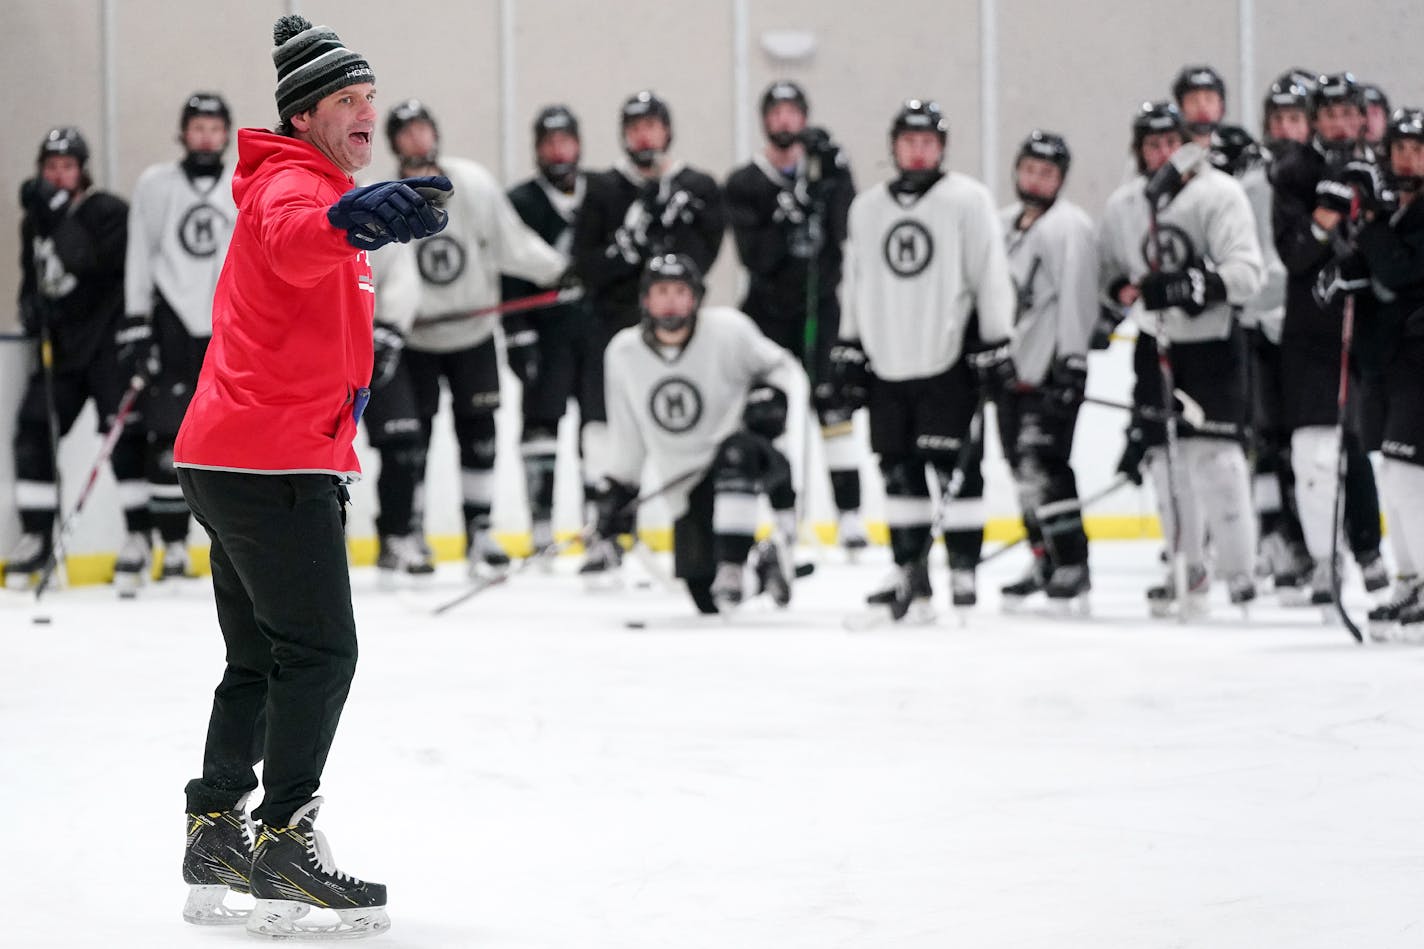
(1079, 605)
(282, 919)
(1010, 603)
(205, 907)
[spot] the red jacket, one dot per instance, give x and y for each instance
(291, 323)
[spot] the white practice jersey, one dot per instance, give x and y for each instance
(397, 284)
(1267, 309)
(179, 229)
(916, 268)
(1054, 265)
(460, 266)
(1209, 223)
(674, 409)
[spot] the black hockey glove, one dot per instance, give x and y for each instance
(850, 374)
(387, 341)
(1067, 382)
(521, 348)
(994, 368)
(1334, 195)
(1368, 181)
(1337, 280)
(1191, 290)
(765, 411)
(617, 514)
(406, 210)
(137, 351)
(45, 204)
(1132, 454)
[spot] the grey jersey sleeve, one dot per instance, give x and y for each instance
(626, 450)
(523, 253)
(1232, 244)
(397, 285)
(1076, 277)
(145, 225)
(986, 268)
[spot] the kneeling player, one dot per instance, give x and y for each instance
(700, 393)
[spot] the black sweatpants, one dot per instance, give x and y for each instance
(283, 596)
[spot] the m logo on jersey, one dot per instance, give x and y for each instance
(908, 248)
(441, 259)
(1177, 249)
(198, 231)
(676, 405)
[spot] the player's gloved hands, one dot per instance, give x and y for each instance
(1338, 279)
(792, 206)
(850, 374)
(616, 512)
(387, 342)
(1132, 454)
(1191, 290)
(765, 411)
(1334, 195)
(994, 368)
(405, 210)
(1067, 381)
(569, 280)
(137, 351)
(45, 204)
(521, 348)
(1368, 181)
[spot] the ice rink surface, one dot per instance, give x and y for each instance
(527, 771)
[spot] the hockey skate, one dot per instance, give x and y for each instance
(217, 858)
(1068, 589)
(1241, 590)
(27, 561)
(1373, 571)
(850, 533)
(1013, 595)
(1162, 599)
(403, 555)
(904, 598)
(1288, 566)
(131, 568)
(486, 557)
(774, 569)
(1385, 618)
(728, 587)
(963, 591)
(600, 569)
(176, 565)
(293, 872)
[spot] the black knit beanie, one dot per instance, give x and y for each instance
(311, 65)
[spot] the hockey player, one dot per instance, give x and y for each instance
(788, 208)
(1053, 261)
(700, 394)
(647, 205)
(72, 242)
(459, 272)
(1285, 113)
(1282, 554)
(1182, 270)
(1377, 116)
(1201, 96)
(1305, 181)
(925, 252)
(1390, 245)
(180, 222)
(263, 455)
(553, 351)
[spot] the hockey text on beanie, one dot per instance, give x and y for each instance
(311, 64)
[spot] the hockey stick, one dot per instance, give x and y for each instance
(52, 419)
(1191, 412)
(1117, 483)
(537, 301)
(1342, 464)
(550, 551)
(116, 430)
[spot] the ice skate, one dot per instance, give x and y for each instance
(963, 591)
(1013, 595)
(176, 565)
(1241, 591)
(850, 533)
(1162, 599)
(403, 555)
(486, 557)
(293, 872)
(1385, 618)
(600, 569)
(1373, 571)
(728, 587)
(904, 598)
(131, 568)
(774, 569)
(1068, 587)
(217, 859)
(27, 561)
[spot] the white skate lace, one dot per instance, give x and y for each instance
(319, 852)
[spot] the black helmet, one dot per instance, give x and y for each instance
(679, 267)
(65, 140)
(919, 115)
(557, 118)
(1198, 77)
(784, 90)
(1048, 146)
(641, 105)
(1153, 118)
(1374, 95)
(404, 113)
(1291, 90)
(1233, 150)
(1337, 89)
(204, 103)
(1405, 122)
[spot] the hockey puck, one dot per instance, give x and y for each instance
(41, 620)
(635, 624)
